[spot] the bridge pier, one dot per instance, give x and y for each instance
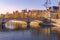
(3, 26)
(28, 24)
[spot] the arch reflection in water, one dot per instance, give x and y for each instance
(16, 24)
(35, 24)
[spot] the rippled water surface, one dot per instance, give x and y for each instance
(29, 34)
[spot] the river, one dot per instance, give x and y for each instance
(29, 34)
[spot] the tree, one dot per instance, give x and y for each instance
(7, 15)
(16, 14)
(23, 14)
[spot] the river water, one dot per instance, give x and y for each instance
(29, 34)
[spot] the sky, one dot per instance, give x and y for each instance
(12, 5)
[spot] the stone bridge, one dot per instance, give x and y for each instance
(28, 20)
(23, 19)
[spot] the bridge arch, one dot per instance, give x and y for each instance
(16, 24)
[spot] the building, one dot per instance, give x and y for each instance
(2, 15)
(59, 5)
(53, 11)
(54, 8)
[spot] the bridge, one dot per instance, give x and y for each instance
(23, 19)
(28, 20)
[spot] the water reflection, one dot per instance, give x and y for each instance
(29, 34)
(58, 34)
(40, 33)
